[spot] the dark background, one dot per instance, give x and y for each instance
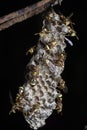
(16, 40)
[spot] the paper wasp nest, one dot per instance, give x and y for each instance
(41, 93)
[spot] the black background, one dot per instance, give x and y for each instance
(16, 40)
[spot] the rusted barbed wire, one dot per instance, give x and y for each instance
(25, 13)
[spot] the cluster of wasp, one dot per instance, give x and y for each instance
(42, 92)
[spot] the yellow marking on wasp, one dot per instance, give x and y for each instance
(31, 50)
(47, 47)
(47, 61)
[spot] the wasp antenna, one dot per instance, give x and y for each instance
(71, 14)
(11, 98)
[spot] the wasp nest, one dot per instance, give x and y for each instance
(41, 94)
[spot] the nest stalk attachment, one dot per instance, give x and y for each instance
(25, 13)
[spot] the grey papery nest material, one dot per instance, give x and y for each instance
(42, 92)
